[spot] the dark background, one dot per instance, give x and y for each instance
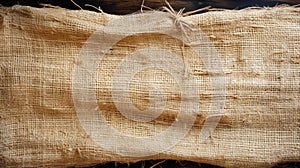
(178, 164)
(130, 6)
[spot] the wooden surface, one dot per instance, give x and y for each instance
(130, 6)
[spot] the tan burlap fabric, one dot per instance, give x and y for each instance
(260, 53)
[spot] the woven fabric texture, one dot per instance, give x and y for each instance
(260, 54)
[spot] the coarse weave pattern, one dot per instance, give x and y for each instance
(260, 53)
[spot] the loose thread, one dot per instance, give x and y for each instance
(76, 4)
(178, 22)
(196, 11)
(156, 164)
(99, 9)
(142, 5)
(146, 7)
(182, 25)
